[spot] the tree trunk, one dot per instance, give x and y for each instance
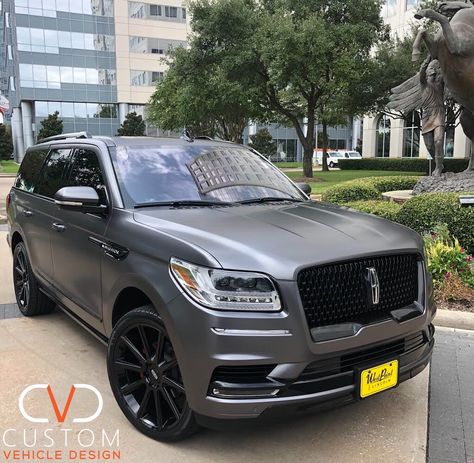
(308, 161)
(325, 147)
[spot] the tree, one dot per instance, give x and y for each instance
(200, 97)
(263, 142)
(51, 126)
(6, 142)
(297, 58)
(132, 126)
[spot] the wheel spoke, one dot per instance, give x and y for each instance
(158, 411)
(129, 388)
(19, 284)
(27, 292)
(171, 403)
(133, 349)
(146, 349)
(143, 406)
(165, 366)
(172, 383)
(19, 270)
(159, 347)
(123, 365)
(22, 296)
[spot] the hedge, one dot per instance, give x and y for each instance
(385, 209)
(401, 164)
(422, 213)
(367, 188)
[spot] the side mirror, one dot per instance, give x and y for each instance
(304, 187)
(79, 198)
(466, 201)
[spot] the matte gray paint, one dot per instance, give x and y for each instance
(274, 239)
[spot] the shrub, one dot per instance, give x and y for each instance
(367, 188)
(401, 164)
(385, 209)
(425, 212)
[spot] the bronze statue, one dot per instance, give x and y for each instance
(426, 91)
(453, 47)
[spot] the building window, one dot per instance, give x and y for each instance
(49, 8)
(390, 8)
(76, 110)
(410, 4)
(411, 136)
(153, 45)
(160, 12)
(383, 136)
(145, 78)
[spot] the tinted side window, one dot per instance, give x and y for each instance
(86, 171)
(53, 175)
(30, 169)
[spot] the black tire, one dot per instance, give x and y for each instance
(31, 301)
(145, 378)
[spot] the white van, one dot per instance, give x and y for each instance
(333, 158)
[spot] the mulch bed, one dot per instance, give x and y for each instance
(460, 306)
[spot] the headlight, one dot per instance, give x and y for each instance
(226, 290)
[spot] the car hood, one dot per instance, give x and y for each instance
(281, 239)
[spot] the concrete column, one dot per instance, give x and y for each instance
(356, 126)
(252, 128)
(17, 134)
(462, 144)
(396, 138)
(123, 111)
(27, 119)
(369, 137)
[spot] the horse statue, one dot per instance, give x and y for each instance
(453, 47)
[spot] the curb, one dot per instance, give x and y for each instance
(7, 175)
(454, 319)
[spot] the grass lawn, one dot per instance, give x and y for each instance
(323, 180)
(8, 167)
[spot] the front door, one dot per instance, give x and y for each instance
(77, 259)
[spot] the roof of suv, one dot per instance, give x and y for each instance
(136, 141)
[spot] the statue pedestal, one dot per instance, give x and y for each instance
(447, 183)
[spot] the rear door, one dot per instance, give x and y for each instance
(34, 210)
(77, 258)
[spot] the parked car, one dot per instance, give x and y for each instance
(351, 154)
(333, 158)
(221, 290)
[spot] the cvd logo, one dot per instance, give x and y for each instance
(61, 416)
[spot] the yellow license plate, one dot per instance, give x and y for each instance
(378, 378)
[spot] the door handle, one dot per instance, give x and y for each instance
(59, 227)
(27, 213)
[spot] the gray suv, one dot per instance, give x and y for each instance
(221, 290)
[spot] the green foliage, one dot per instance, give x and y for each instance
(401, 164)
(51, 126)
(446, 257)
(385, 209)
(6, 142)
(132, 126)
(425, 212)
(367, 188)
(263, 142)
(296, 58)
(198, 95)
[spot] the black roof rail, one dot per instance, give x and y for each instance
(65, 136)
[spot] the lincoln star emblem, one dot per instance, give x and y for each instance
(374, 284)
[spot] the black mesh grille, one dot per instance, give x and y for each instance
(242, 374)
(340, 293)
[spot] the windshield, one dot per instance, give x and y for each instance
(355, 155)
(148, 175)
(336, 155)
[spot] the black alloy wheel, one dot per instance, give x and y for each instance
(145, 377)
(29, 297)
(21, 280)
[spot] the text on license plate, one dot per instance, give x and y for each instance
(378, 378)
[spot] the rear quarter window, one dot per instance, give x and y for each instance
(30, 168)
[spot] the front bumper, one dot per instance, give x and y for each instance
(206, 340)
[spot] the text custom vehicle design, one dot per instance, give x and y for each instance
(222, 291)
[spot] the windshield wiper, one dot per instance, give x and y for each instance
(184, 203)
(270, 200)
